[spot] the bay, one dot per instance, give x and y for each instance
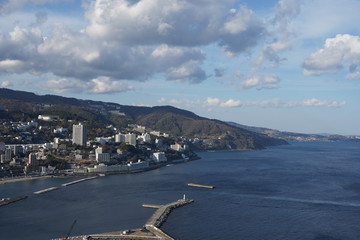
(298, 191)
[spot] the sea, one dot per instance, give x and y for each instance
(304, 191)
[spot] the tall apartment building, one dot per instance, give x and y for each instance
(79, 135)
(119, 138)
(130, 139)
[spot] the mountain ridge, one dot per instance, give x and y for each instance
(215, 134)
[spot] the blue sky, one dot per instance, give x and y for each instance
(290, 65)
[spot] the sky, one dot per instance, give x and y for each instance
(290, 65)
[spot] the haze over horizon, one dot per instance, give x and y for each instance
(287, 65)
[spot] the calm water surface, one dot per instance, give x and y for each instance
(300, 191)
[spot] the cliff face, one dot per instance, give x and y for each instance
(214, 134)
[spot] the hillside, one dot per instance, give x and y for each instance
(215, 134)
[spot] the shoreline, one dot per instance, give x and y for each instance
(20, 179)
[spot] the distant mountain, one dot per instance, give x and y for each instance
(212, 134)
(291, 136)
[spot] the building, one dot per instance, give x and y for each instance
(47, 118)
(159, 157)
(101, 157)
(2, 147)
(8, 155)
(139, 165)
(130, 139)
(176, 147)
(102, 168)
(145, 137)
(33, 163)
(79, 135)
(179, 147)
(119, 138)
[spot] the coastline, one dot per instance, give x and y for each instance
(20, 179)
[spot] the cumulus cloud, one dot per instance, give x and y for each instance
(285, 12)
(101, 85)
(174, 22)
(130, 40)
(342, 50)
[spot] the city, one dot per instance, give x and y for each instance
(72, 152)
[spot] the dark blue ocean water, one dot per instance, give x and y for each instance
(300, 191)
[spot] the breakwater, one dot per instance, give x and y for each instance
(160, 216)
(151, 229)
(200, 185)
(46, 190)
(77, 181)
(6, 201)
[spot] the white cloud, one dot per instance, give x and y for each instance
(174, 22)
(313, 102)
(270, 52)
(5, 84)
(133, 40)
(161, 100)
(337, 52)
(101, 85)
(268, 103)
(286, 11)
(212, 101)
(231, 103)
(189, 71)
(106, 85)
(353, 76)
(250, 82)
(260, 81)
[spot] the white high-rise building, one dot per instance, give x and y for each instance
(119, 138)
(130, 139)
(79, 135)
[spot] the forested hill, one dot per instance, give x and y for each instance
(215, 134)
